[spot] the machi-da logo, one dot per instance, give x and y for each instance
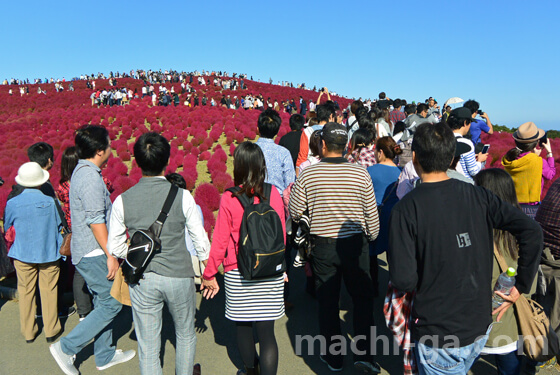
(463, 240)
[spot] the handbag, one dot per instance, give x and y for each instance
(119, 289)
(145, 243)
(66, 232)
(540, 342)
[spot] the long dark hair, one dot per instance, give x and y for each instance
(361, 138)
(249, 169)
(68, 163)
(520, 148)
(500, 183)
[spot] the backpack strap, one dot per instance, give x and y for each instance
(164, 213)
(267, 191)
(243, 198)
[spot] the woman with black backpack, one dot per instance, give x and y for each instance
(254, 279)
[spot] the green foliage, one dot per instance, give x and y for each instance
(503, 128)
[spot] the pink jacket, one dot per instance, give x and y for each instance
(226, 232)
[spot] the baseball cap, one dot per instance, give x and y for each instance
(462, 113)
(333, 133)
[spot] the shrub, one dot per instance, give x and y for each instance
(208, 195)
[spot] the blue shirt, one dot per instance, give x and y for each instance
(37, 224)
(477, 127)
(385, 179)
(90, 203)
(280, 170)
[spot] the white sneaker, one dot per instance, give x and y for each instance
(120, 357)
(64, 361)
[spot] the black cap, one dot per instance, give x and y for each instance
(333, 133)
(462, 113)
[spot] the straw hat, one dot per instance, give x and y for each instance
(31, 175)
(527, 133)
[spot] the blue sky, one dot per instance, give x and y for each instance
(502, 53)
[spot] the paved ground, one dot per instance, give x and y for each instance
(216, 348)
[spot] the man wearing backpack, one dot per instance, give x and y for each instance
(341, 204)
(169, 276)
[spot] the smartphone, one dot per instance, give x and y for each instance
(544, 139)
(485, 148)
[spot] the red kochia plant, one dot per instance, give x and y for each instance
(222, 181)
(190, 175)
(216, 165)
(204, 155)
(207, 195)
(124, 156)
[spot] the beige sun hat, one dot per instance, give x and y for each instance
(31, 175)
(527, 133)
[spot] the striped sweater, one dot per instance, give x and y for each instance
(339, 197)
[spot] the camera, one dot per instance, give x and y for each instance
(1, 181)
(322, 89)
(480, 112)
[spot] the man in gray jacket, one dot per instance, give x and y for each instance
(169, 277)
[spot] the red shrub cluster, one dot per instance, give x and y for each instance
(207, 195)
(190, 175)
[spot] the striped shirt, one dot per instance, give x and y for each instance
(339, 197)
(468, 165)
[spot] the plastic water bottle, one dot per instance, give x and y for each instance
(505, 283)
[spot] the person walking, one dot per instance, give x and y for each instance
(90, 205)
(169, 276)
(251, 304)
(343, 212)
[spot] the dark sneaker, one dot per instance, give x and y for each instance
(67, 312)
(332, 368)
(367, 367)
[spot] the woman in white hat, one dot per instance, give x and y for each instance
(35, 251)
(527, 169)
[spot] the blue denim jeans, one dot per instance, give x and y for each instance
(448, 361)
(148, 297)
(509, 363)
(98, 324)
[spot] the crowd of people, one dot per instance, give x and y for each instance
(346, 185)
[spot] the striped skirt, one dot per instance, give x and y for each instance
(253, 300)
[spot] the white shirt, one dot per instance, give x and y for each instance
(116, 243)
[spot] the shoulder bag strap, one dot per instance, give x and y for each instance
(158, 224)
(501, 261)
(62, 216)
(389, 195)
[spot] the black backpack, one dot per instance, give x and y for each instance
(261, 238)
(145, 243)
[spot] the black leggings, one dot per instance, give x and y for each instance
(268, 358)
